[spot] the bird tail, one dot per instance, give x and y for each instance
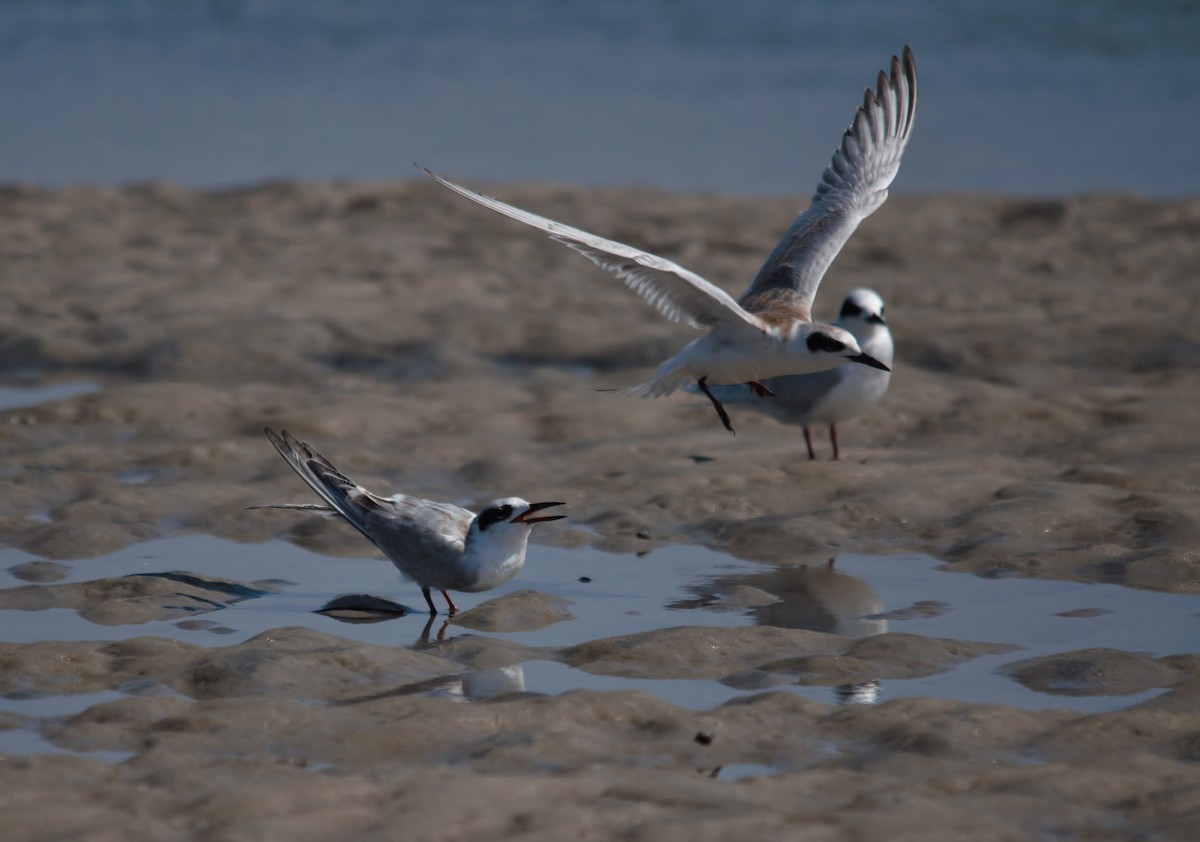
(666, 382)
(316, 508)
(330, 484)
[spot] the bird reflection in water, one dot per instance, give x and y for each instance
(477, 686)
(365, 608)
(817, 597)
(814, 597)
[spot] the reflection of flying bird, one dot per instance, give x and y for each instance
(815, 597)
(820, 598)
(769, 331)
(437, 545)
(838, 394)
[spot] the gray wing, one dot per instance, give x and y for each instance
(852, 188)
(679, 294)
(799, 394)
(400, 525)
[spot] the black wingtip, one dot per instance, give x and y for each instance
(910, 73)
(277, 441)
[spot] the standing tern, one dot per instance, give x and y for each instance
(769, 331)
(437, 545)
(838, 394)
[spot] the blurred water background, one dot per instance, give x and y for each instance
(1023, 97)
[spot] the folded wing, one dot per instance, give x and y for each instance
(400, 525)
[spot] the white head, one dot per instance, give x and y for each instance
(497, 538)
(862, 306)
(862, 315)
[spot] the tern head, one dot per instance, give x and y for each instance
(862, 306)
(496, 540)
(829, 341)
(510, 516)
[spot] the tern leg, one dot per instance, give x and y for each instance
(812, 454)
(721, 413)
(833, 438)
(450, 602)
(429, 600)
(760, 390)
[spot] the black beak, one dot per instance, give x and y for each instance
(875, 319)
(524, 517)
(867, 359)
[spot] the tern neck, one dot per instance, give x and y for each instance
(493, 557)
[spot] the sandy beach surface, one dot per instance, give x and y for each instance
(1043, 422)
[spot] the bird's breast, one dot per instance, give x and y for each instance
(723, 362)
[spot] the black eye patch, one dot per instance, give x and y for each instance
(849, 308)
(824, 342)
(494, 515)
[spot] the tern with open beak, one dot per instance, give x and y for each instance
(437, 545)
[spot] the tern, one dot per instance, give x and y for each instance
(768, 331)
(838, 394)
(437, 545)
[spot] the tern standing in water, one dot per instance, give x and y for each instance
(769, 331)
(437, 545)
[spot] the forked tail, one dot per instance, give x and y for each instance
(341, 494)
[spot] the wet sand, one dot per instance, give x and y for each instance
(1043, 421)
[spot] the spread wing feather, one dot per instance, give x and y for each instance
(679, 294)
(853, 186)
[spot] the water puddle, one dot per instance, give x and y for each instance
(23, 397)
(612, 595)
(36, 708)
(734, 772)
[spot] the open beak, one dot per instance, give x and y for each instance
(524, 517)
(867, 359)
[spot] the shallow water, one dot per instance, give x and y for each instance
(671, 586)
(694, 96)
(22, 397)
(37, 707)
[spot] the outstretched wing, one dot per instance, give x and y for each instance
(679, 294)
(401, 525)
(851, 189)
